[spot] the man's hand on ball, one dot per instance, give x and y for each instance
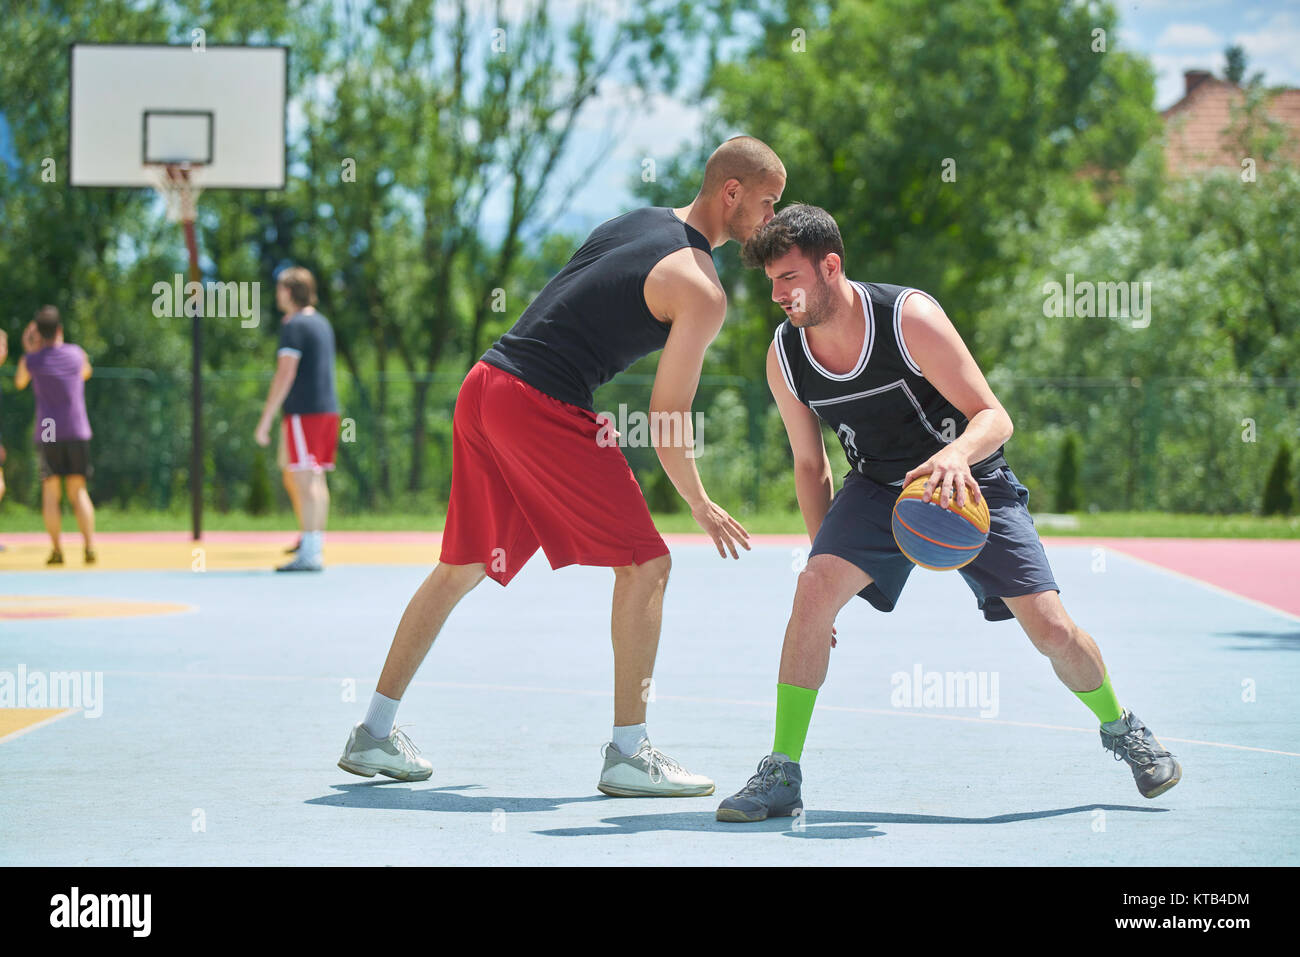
(949, 472)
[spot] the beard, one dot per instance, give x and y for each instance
(817, 306)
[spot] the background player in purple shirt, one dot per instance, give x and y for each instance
(58, 372)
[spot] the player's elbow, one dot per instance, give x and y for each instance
(671, 428)
(808, 466)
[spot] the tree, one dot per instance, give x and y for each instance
(926, 130)
(452, 120)
(1279, 498)
(1234, 70)
(1069, 494)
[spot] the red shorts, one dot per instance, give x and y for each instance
(310, 440)
(527, 471)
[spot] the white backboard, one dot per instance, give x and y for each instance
(223, 106)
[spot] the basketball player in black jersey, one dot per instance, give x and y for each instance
(886, 369)
(530, 468)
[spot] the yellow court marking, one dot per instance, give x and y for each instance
(32, 607)
(212, 556)
(16, 721)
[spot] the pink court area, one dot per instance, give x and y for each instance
(1263, 570)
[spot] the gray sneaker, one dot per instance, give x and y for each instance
(772, 792)
(1154, 768)
(300, 564)
(395, 756)
(648, 773)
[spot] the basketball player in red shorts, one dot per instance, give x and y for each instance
(304, 385)
(532, 466)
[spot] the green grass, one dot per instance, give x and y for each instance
(17, 518)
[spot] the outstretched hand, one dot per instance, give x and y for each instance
(722, 528)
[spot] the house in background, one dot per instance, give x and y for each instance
(1198, 128)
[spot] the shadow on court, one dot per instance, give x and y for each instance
(816, 824)
(399, 796)
(1266, 640)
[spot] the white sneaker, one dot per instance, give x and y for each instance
(649, 773)
(394, 756)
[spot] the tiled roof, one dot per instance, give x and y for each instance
(1197, 126)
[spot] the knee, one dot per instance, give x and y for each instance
(1054, 635)
(653, 573)
(459, 577)
(814, 592)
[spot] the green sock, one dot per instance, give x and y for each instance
(794, 708)
(1102, 702)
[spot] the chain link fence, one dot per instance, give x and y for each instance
(1177, 445)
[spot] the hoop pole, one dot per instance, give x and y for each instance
(196, 392)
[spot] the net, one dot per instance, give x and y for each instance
(180, 185)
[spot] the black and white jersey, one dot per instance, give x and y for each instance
(888, 417)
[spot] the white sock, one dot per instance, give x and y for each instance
(628, 738)
(380, 717)
(312, 543)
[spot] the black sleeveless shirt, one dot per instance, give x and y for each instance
(591, 321)
(888, 417)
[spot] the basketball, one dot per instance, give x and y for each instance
(939, 539)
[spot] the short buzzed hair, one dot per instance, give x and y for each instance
(743, 158)
(301, 285)
(810, 229)
(48, 322)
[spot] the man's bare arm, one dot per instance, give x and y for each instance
(697, 307)
(939, 352)
(286, 367)
(814, 485)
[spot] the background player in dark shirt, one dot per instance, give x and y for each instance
(304, 385)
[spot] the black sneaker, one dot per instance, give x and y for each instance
(772, 792)
(1154, 769)
(56, 558)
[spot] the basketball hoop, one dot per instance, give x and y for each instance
(180, 185)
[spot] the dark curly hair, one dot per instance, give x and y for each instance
(810, 228)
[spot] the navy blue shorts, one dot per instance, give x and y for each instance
(1011, 564)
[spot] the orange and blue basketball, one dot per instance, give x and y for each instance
(940, 539)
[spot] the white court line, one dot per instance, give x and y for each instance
(39, 724)
(885, 712)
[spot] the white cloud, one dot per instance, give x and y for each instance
(1272, 49)
(1280, 35)
(1154, 6)
(1189, 35)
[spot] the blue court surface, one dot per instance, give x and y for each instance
(219, 726)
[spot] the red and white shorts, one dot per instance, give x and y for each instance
(308, 441)
(527, 471)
